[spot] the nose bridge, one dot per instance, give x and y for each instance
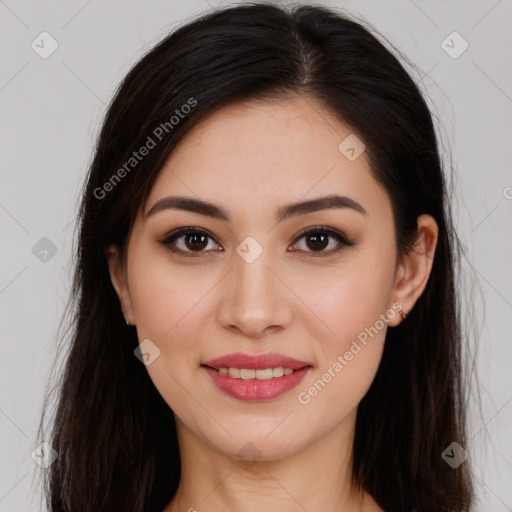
(255, 299)
(253, 276)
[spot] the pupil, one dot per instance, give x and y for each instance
(316, 245)
(194, 238)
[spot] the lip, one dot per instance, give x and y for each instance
(256, 361)
(255, 389)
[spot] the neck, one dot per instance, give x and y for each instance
(315, 478)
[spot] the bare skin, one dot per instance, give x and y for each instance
(250, 160)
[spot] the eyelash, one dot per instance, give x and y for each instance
(169, 240)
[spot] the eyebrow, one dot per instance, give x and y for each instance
(207, 209)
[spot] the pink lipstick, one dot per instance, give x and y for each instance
(256, 377)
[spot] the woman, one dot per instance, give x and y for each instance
(265, 313)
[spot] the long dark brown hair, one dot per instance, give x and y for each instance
(114, 434)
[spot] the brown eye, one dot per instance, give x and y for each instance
(196, 241)
(318, 239)
(187, 241)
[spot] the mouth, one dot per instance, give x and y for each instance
(256, 385)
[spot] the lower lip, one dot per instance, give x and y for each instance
(254, 389)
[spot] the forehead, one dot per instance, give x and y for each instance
(264, 153)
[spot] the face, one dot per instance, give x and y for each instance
(253, 283)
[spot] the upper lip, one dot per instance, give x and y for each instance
(256, 361)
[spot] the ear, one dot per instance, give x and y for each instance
(414, 270)
(119, 280)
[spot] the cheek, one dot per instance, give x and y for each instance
(352, 302)
(350, 351)
(167, 306)
(161, 295)
(347, 298)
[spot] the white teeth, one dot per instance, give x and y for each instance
(246, 373)
(264, 374)
(234, 372)
(277, 372)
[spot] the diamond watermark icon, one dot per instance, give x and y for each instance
(249, 249)
(249, 453)
(454, 45)
(44, 455)
(351, 147)
(454, 455)
(44, 250)
(44, 45)
(147, 352)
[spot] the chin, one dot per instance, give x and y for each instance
(246, 445)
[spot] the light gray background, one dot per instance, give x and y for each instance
(50, 114)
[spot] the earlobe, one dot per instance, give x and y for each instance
(119, 281)
(416, 266)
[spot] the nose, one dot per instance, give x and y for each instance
(255, 300)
